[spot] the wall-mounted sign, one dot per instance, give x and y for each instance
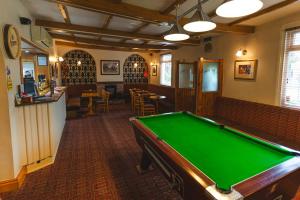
(12, 41)
(8, 79)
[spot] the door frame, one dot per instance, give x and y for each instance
(195, 63)
(200, 77)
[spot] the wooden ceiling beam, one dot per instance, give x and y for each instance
(89, 46)
(107, 21)
(172, 7)
(64, 12)
(110, 44)
(105, 32)
(264, 11)
(139, 13)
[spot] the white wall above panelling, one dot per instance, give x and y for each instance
(43, 10)
(108, 55)
(86, 18)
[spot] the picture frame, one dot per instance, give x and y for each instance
(245, 69)
(154, 70)
(42, 60)
(110, 67)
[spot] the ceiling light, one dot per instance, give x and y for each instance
(78, 62)
(238, 8)
(176, 33)
(27, 51)
(200, 22)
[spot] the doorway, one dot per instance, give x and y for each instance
(185, 87)
(210, 78)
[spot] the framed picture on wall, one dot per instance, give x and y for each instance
(245, 69)
(154, 70)
(42, 60)
(110, 67)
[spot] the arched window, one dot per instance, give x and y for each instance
(78, 68)
(135, 70)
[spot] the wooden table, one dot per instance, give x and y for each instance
(155, 98)
(90, 94)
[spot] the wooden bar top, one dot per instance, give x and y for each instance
(44, 99)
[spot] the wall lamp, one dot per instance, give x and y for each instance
(241, 53)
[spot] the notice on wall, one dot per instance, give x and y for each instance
(8, 79)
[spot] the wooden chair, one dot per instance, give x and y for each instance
(84, 105)
(146, 108)
(136, 103)
(131, 99)
(104, 101)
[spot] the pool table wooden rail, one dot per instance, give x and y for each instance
(279, 181)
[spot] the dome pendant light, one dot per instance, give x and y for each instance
(200, 22)
(238, 8)
(176, 33)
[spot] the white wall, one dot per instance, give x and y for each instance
(184, 54)
(107, 55)
(10, 11)
(266, 46)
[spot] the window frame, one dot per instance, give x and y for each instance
(288, 47)
(161, 69)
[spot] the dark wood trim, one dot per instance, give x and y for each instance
(88, 30)
(15, 183)
(139, 13)
(110, 44)
(264, 11)
(110, 82)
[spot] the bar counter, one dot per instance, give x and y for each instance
(43, 124)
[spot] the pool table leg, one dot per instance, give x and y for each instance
(145, 164)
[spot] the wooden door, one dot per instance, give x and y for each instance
(185, 87)
(210, 78)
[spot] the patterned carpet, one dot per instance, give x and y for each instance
(96, 161)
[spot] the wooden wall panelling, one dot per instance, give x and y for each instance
(278, 123)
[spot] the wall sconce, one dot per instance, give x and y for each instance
(241, 52)
(56, 59)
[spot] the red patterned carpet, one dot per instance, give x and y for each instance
(96, 161)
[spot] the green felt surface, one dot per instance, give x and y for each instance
(227, 157)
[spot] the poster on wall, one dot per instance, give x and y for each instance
(110, 67)
(154, 70)
(245, 69)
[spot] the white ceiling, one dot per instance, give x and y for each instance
(86, 18)
(41, 9)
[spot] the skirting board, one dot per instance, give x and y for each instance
(13, 184)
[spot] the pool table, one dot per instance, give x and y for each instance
(206, 160)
